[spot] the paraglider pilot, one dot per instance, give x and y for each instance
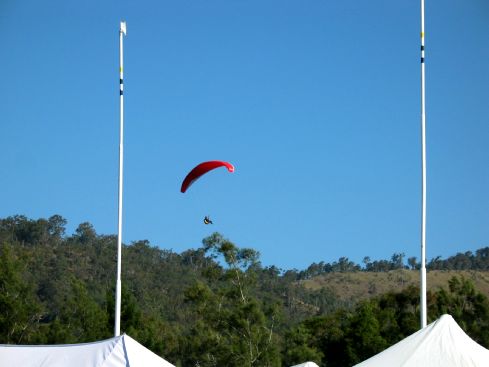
(207, 220)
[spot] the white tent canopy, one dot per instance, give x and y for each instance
(307, 364)
(440, 344)
(121, 351)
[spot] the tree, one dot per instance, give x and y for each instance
(397, 261)
(85, 233)
(20, 311)
(345, 265)
(482, 258)
(233, 328)
(435, 264)
(79, 318)
(363, 336)
(413, 263)
(366, 261)
(56, 226)
(468, 307)
(300, 347)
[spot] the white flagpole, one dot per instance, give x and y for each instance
(117, 328)
(423, 179)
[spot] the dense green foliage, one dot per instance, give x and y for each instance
(211, 306)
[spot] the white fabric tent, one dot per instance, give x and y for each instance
(121, 351)
(440, 344)
(307, 364)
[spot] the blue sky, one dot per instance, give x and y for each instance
(316, 103)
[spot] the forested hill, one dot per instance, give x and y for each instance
(217, 304)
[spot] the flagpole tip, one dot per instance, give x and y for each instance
(123, 28)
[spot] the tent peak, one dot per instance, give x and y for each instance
(445, 317)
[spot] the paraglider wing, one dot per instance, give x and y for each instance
(202, 169)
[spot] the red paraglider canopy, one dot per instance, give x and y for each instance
(202, 169)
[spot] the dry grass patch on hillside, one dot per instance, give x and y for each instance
(356, 286)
